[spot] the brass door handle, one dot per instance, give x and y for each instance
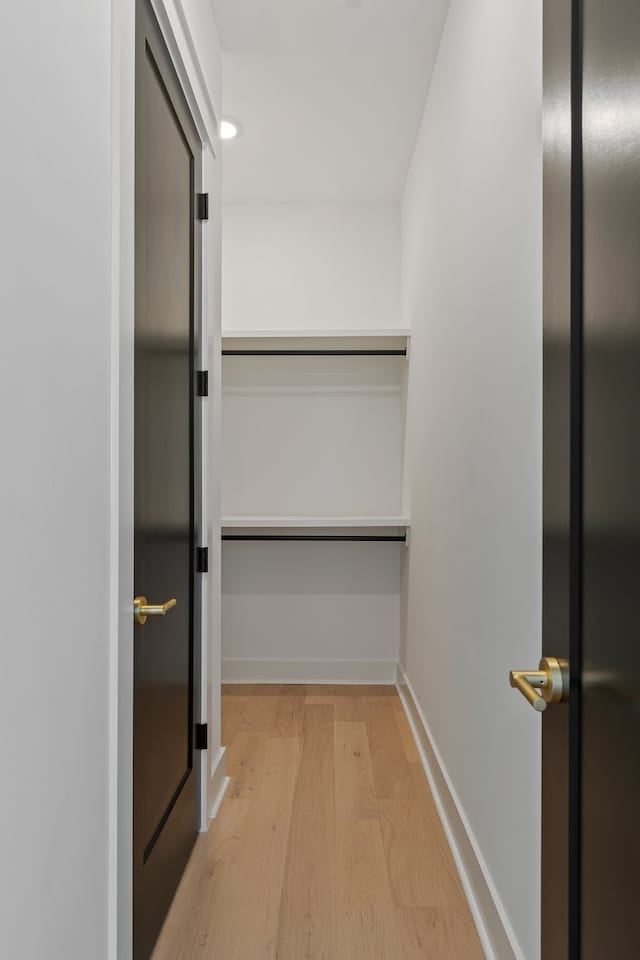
(142, 609)
(548, 684)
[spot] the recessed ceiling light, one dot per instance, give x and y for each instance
(228, 130)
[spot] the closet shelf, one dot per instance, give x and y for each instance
(315, 343)
(368, 334)
(287, 522)
(338, 529)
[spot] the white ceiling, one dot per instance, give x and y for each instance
(329, 95)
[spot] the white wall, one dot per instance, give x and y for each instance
(66, 416)
(55, 304)
(311, 612)
(312, 436)
(472, 296)
(313, 267)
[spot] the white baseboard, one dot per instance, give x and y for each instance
(309, 671)
(495, 932)
(218, 783)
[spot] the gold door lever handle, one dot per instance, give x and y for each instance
(548, 684)
(142, 609)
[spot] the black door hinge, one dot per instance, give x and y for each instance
(202, 383)
(202, 560)
(202, 736)
(203, 206)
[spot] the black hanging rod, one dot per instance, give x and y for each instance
(314, 353)
(333, 538)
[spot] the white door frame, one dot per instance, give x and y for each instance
(175, 28)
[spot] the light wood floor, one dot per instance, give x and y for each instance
(327, 845)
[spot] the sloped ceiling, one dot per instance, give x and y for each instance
(329, 95)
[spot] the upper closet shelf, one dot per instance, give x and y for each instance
(316, 343)
(307, 522)
(316, 528)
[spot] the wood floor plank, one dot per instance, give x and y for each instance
(349, 708)
(423, 933)
(358, 939)
(237, 689)
(345, 707)
(391, 772)
(293, 690)
(231, 717)
(185, 934)
(428, 806)
(258, 715)
(345, 698)
(219, 843)
(417, 855)
(288, 715)
(244, 764)
(408, 743)
(361, 869)
(406, 933)
(247, 923)
(464, 935)
(307, 921)
(354, 789)
(362, 883)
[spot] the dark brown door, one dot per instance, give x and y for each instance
(609, 720)
(165, 789)
(591, 750)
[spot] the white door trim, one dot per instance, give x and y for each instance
(175, 27)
